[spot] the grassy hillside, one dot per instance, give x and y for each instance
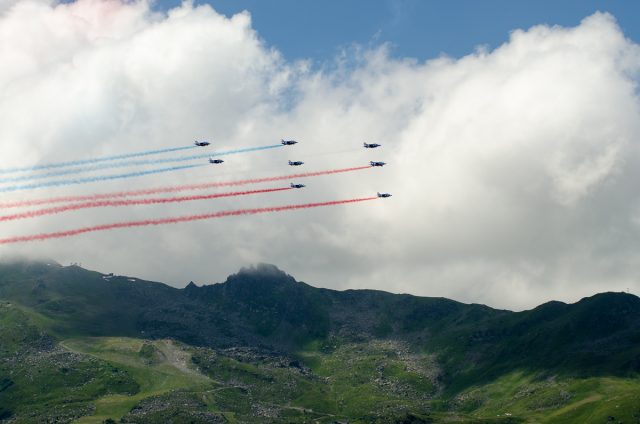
(39, 378)
(159, 367)
(77, 345)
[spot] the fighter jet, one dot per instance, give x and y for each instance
(288, 142)
(296, 163)
(297, 185)
(215, 160)
(384, 195)
(371, 145)
(377, 163)
(201, 143)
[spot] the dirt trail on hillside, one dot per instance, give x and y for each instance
(178, 357)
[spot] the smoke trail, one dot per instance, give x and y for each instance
(131, 202)
(173, 189)
(135, 163)
(175, 220)
(94, 160)
(74, 181)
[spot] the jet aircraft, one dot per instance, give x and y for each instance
(297, 185)
(371, 145)
(384, 195)
(296, 163)
(377, 163)
(215, 160)
(288, 142)
(201, 143)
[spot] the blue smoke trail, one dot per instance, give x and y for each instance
(94, 160)
(96, 178)
(134, 163)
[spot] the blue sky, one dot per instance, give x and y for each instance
(420, 29)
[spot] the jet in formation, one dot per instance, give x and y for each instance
(201, 143)
(377, 163)
(215, 160)
(297, 185)
(288, 142)
(371, 145)
(384, 195)
(296, 163)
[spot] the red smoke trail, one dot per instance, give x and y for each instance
(175, 220)
(130, 202)
(157, 190)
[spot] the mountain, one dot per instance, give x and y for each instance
(407, 358)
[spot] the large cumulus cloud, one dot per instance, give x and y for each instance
(513, 170)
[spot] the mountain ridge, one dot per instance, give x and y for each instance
(262, 269)
(264, 306)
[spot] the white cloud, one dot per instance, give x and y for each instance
(513, 171)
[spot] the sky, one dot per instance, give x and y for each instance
(511, 136)
(307, 29)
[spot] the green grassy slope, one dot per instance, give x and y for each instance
(157, 366)
(39, 378)
(375, 381)
(552, 399)
(262, 347)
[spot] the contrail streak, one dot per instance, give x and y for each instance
(173, 189)
(131, 202)
(84, 180)
(94, 160)
(175, 220)
(135, 163)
